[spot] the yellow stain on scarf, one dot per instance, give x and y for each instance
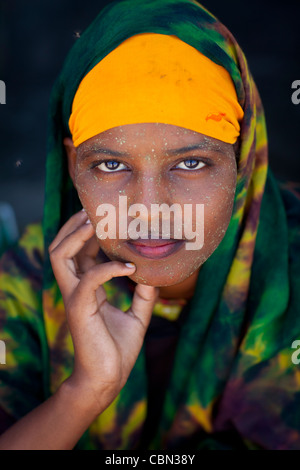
(237, 280)
(168, 311)
(259, 178)
(245, 150)
(18, 288)
(261, 130)
(257, 349)
(135, 421)
(284, 360)
(58, 334)
(105, 423)
(32, 241)
(240, 203)
(202, 415)
(55, 315)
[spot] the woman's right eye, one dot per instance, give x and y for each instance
(110, 166)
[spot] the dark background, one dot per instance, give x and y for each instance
(35, 36)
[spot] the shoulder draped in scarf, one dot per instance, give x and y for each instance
(232, 373)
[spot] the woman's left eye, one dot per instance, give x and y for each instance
(191, 164)
(110, 166)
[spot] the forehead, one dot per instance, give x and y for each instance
(156, 135)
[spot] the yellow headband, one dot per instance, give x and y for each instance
(156, 78)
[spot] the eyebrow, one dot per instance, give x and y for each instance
(178, 151)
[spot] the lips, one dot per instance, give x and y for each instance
(155, 249)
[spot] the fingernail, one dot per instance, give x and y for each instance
(87, 221)
(130, 265)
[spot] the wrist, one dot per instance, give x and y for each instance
(83, 399)
(80, 400)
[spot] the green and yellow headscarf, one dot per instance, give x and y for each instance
(233, 371)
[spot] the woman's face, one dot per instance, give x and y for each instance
(153, 163)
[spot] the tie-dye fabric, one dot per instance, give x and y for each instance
(233, 383)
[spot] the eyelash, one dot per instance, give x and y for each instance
(205, 163)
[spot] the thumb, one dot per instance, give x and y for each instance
(143, 302)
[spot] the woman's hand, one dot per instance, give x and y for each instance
(106, 340)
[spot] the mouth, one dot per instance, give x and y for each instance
(155, 249)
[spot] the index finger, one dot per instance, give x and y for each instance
(70, 226)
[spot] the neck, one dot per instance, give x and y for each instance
(183, 290)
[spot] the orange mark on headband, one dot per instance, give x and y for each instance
(215, 117)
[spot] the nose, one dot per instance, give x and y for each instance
(151, 188)
(151, 202)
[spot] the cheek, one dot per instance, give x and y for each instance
(216, 193)
(218, 208)
(92, 191)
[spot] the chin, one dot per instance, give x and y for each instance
(153, 280)
(166, 275)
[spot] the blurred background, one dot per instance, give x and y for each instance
(35, 37)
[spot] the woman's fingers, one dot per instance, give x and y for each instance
(76, 241)
(62, 254)
(143, 302)
(86, 258)
(72, 224)
(90, 292)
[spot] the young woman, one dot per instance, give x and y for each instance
(123, 343)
